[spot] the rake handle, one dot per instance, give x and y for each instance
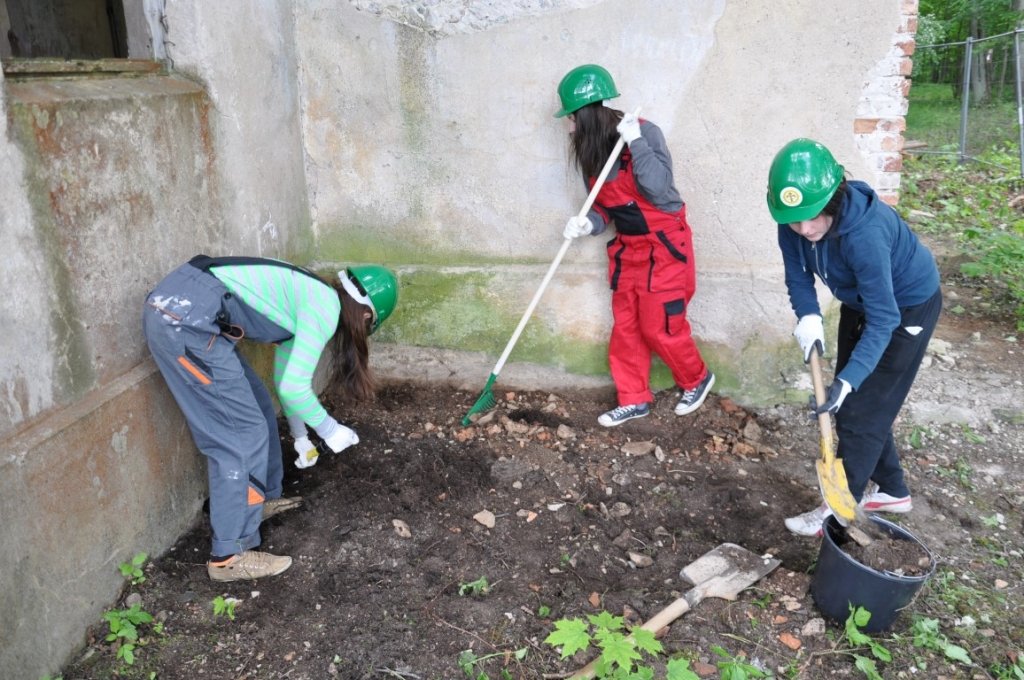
(591, 197)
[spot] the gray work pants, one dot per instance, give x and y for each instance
(226, 405)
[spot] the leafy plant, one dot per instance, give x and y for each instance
(224, 606)
(972, 436)
(543, 611)
(133, 568)
(917, 436)
(927, 636)
(476, 588)
(468, 661)
(857, 619)
(733, 668)
(124, 630)
(621, 651)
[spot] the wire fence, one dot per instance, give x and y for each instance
(983, 77)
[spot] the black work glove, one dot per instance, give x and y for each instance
(834, 397)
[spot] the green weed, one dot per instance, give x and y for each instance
(124, 630)
(927, 636)
(477, 588)
(469, 662)
(133, 568)
(621, 651)
(733, 668)
(224, 606)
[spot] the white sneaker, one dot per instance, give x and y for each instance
(810, 523)
(621, 414)
(883, 502)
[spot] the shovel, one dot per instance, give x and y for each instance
(724, 572)
(831, 473)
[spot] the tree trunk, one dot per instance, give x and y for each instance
(979, 80)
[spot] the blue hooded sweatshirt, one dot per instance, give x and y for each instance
(871, 261)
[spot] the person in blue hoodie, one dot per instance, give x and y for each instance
(888, 285)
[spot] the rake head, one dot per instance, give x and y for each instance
(484, 402)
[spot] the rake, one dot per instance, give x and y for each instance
(486, 400)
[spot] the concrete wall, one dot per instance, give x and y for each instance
(108, 183)
(425, 154)
(415, 134)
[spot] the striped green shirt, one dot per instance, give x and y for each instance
(303, 306)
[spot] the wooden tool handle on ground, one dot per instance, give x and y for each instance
(654, 624)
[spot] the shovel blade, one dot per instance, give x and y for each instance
(836, 491)
(727, 570)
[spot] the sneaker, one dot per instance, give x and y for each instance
(620, 414)
(883, 502)
(693, 398)
(276, 506)
(250, 564)
(810, 523)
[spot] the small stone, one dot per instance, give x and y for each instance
(790, 641)
(814, 627)
(640, 560)
(623, 540)
(638, 448)
(401, 528)
(620, 510)
(1000, 584)
(565, 432)
(594, 600)
(485, 517)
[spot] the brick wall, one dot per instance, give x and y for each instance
(878, 129)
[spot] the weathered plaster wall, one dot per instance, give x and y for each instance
(244, 56)
(428, 150)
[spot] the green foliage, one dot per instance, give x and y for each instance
(1011, 671)
(975, 208)
(124, 630)
(224, 606)
(917, 436)
(733, 668)
(927, 636)
(477, 588)
(470, 663)
(133, 568)
(543, 611)
(622, 652)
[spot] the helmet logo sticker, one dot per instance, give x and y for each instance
(791, 196)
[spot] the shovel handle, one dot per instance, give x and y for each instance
(824, 422)
(654, 624)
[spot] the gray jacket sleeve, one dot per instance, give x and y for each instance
(652, 168)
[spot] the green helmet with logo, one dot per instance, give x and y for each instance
(802, 179)
(584, 85)
(374, 286)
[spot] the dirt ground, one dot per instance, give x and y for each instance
(578, 512)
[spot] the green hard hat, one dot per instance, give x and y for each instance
(374, 286)
(802, 179)
(584, 85)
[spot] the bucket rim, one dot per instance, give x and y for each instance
(832, 523)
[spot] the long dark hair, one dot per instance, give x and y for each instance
(594, 138)
(350, 363)
(836, 202)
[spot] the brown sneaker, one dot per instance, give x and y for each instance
(251, 564)
(278, 505)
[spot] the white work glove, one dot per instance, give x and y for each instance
(809, 333)
(335, 435)
(577, 226)
(308, 453)
(629, 127)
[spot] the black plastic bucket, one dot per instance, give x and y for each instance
(839, 580)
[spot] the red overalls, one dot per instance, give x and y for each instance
(652, 277)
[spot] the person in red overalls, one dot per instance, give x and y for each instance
(650, 260)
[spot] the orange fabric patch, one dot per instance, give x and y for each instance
(255, 497)
(190, 367)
